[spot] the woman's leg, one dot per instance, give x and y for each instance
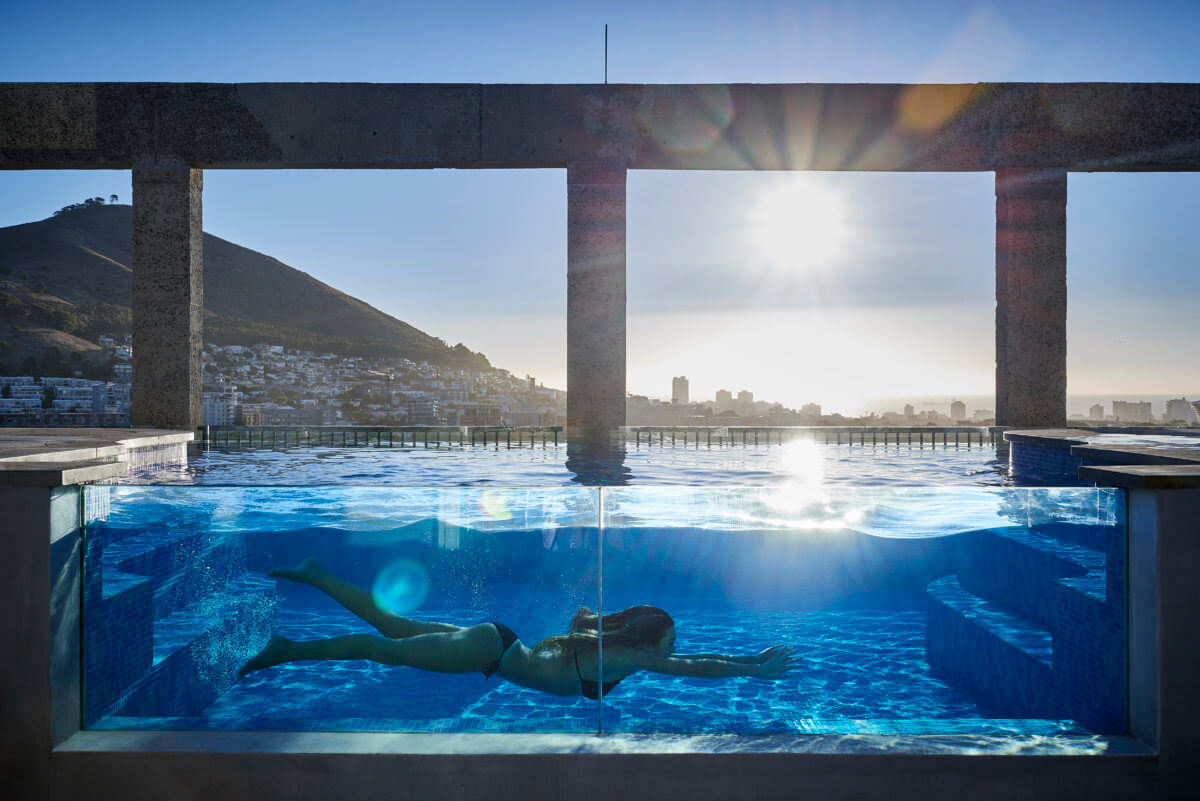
(359, 601)
(461, 651)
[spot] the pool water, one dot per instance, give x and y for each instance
(863, 671)
(547, 464)
(914, 609)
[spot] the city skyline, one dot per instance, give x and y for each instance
(811, 286)
(1078, 405)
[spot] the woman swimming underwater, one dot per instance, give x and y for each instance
(637, 638)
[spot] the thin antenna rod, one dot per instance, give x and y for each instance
(606, 52)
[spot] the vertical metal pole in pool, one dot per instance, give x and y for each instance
(600, 610)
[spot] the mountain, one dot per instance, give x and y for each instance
(67, 279)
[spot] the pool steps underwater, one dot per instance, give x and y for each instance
(157, 641)
(1033, 623)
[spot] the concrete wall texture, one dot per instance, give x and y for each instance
(1031, 135)
(1074, 126)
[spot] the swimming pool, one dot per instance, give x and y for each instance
(915, 609)
(637, 463)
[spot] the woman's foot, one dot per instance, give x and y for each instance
(307, 572)
(274, 653)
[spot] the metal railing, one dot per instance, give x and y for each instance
(439, 437)
(433, 437)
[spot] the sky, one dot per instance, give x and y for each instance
(888, 293)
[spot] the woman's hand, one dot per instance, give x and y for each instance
(778, 662)
(765, 654)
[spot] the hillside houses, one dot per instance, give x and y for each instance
(272, 385)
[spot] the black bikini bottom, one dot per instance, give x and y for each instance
(507, 638)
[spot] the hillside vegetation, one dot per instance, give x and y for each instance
(67, 279)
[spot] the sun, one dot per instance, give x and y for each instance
(799, 225)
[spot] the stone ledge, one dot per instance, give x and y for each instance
(1137, 454)
(1148, 477)
(1049, 437)
(59, 474)
(24, 445)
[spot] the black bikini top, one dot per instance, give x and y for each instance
(588, 688)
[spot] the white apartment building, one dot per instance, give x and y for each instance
(219, 408)
(679, 390)
(1181, 409)
(1132, 411)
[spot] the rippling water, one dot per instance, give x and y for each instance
(720, 465)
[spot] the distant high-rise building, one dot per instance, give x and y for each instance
(1181, 409)
(679, 390)
(745, 403)
(1096, 412)
(909, 411)
(1132, 411)
(423, 411)
(724, 400)
(219, 408)
(958, 411)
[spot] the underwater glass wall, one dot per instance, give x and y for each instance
(905, 609)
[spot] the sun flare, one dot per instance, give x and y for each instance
(800, 225)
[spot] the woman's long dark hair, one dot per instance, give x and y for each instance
(638, 627)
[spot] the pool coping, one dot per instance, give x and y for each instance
(1129, 466)
(252, 767)
(489, 743)
(23, 446)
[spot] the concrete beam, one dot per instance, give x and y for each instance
(925, 127)
(1031, 298)
(168, 294)
(595, 297)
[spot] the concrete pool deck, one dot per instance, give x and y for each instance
(59, 457)
(24, 445)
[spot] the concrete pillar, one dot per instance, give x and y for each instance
(595, 297)
(1031, 297)
(39, 603)
(1164, 640)
(168, 294)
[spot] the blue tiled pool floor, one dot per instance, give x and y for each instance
(863, 671)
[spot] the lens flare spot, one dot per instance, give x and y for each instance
(691, 120)
(401, 586)
(494, 504)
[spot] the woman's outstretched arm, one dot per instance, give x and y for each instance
(777, 664)
(744, 659)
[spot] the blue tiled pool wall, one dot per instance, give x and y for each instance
(1027, 619)
(1044, 464)
(503, 576)
(1047, 462)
